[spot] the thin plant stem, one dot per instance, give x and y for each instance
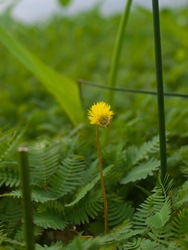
(26, 193)
(130, 90)
(102, 182)
(160, 91)
(117, 51)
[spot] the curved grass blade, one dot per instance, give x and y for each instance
(65, 91)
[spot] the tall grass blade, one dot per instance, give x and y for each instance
(117, 51)
(64, 90)
(26, 194)
(160, 92)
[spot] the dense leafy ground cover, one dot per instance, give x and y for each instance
(144, 213)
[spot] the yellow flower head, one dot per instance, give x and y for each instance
(100, 114)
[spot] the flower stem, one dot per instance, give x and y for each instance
(160, 92)
(102, 182)
(26, 193)
(117, 51)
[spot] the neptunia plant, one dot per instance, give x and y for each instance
(100, 114)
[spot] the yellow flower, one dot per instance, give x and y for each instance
(100, 114)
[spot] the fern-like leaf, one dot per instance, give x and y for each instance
(135, 154)
(155, 212)
(37, 195)
(160, 218)
(7, 243)
(132, 244)
(141, 171)
(10, 215)
(87, 208)
(80, 243)
(141, 244)
(9, 175)
(50, 219)
(148, 244)
(118, 211)
(119, 235)
(68, 177)
(90, 172)
(56, 205)
(54, 246)
(43, 162)
(181, 195)
(84, 190)
(8, 139)
(181, 224)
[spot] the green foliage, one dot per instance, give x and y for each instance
(118, 212)
(180, 224)
(10, 211)
(137, 159)
(8, 139)
(153, 215)
(65, 194)
(68, 177)
(137, 154)
(181, 196)
(64, 176)
(49, 219)
(86, 209)
(83, 191)
(43, 161)
(54, 246)
(141, 171)
(9, 176)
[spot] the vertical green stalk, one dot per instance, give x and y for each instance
(160, 92)
(102, 183)
(117, 51)
(26, 193)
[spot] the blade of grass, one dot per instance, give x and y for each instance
(160, 91)
(115, 59)
(117, 51)
(26, 194)
(64, 90)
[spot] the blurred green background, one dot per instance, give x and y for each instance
(80, 47)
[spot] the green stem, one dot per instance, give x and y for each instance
(26, 193)
(117, 51)
(160, 92)
(102, 183)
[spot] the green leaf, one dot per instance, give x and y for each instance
(8, 140)
(68, 177)
(159, 219)
(43, 162)
(65, 91)
(49, 219)
(181, 196)
(180, 223)
(141, 171)
(118, 211)
(37, 195)
(83, 191)
(86, 209)
(55, 246)
(135, 154)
